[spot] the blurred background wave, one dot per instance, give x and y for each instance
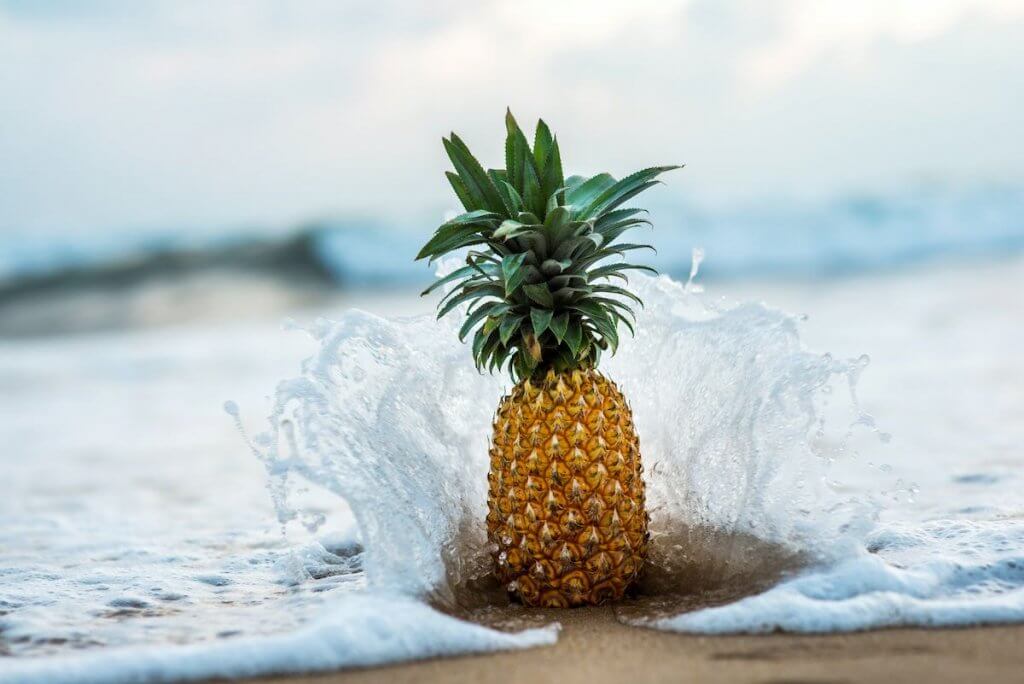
(176, 161)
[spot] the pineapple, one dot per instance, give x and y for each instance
(566, 516)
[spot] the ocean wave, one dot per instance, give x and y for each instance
(844, 236)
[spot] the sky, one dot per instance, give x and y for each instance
(160, 115)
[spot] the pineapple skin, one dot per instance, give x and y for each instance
(566, 516)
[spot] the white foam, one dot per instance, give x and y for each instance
(354, 631)
(390, 416)
(941, 574)
(750, 442)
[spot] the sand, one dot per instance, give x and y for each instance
(594, 648)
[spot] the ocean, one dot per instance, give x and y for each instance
(830, 408)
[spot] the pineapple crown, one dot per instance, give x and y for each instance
(537, 275)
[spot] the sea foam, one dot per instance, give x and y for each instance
(390, 416)
(765, 498)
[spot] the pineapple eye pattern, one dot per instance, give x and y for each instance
(566, 515)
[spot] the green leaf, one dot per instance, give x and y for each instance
(541, 145)
(486, 263)
(574, 336)
(507, 229)
(540, 294)
(614, 306)
(479, 340)
(478, 314)
(629, 246)
(558, 225)
(591, 309)
(461, 191)
(491, 324)
(508, 327)
(574, 182)
(478, 217)
(478, 183)
(565, 279)
(541, 319)
(615, 270)
(514, 152)
(449, 238)
(559, 326)
(454, 275)
(536, 242)
(582, 195)
(533, 196)
(551, 172)
(551, 267)
(613, 289)
(552, 200)
(511, 272)
(565, 295)
(513, 200)
(614, 216)
(492, 344)
(467, 294)
(565, 249)
(625, 321)
(617, 193)
(613, 232)
(606, 326)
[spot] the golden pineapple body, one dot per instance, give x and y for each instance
(566, 494)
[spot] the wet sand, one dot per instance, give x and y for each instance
(593, 647)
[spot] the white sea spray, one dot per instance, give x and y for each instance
(390, 416)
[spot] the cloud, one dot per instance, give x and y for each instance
(166, 114)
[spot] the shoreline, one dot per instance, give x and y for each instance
(594, 647)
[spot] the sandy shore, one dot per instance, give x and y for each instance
(594, 647)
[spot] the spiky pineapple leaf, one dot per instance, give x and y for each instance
(461, 191)
(582, 195)
(515, 142)
(513, 201)
(540, 294)
(533, 195)
(454, 275)
(551, 180)
(538, 250)
(478, 184)
(470, 294)
(508, 327)
(449, 238)
(509, 228)
(615, 270)
(630, 186)
(479, 340)
(559, 325)
(511, 272)
(479, 313)
(621, 291)
(541, 145)
(574, 337)
(541, 319)
(552, 267)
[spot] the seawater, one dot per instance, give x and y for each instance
(143, 547)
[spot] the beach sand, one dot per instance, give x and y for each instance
(593, 647)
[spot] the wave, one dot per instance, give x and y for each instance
(844, 236)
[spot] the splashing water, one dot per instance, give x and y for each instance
(764, 513)
(389, 416)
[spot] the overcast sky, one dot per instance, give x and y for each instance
(121, 115)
